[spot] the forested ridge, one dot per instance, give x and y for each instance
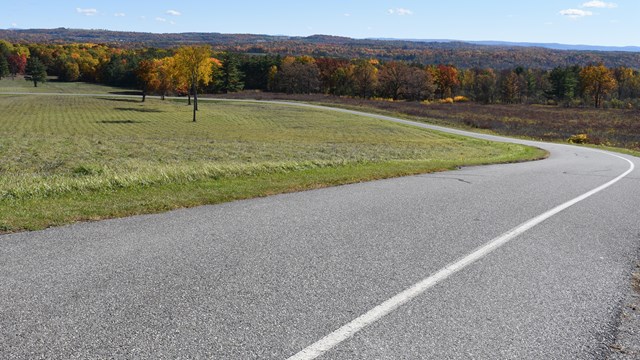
(165, 71)
(462, 55)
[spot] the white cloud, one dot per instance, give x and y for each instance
(14, 24)
(173, 13)
(575, 13)
(161, 19)
(400, 11)
(172, 22)
(346, 14)
(86, 12)
(599, 4)
(119, 14)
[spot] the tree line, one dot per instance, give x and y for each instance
(188, 70)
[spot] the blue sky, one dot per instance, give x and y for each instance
(591, 22)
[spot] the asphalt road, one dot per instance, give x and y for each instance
(267, 278)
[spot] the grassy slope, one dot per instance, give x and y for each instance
(66, 158)
(20, 85)
(608, 129)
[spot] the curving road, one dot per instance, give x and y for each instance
(453, 265)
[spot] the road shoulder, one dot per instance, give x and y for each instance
(627, 344)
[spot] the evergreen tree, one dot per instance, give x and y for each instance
(36, 71)
(4, 67)
(231, 77)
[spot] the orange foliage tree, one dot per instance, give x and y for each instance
(597, 81)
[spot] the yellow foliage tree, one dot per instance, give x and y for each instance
(597, 82)
(194, 64)
(147, 76)
(167, 75)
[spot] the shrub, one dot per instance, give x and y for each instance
(616, 104)
(446, 101)
(460, 99)
(578, 139)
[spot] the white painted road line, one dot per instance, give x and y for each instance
(346, 331)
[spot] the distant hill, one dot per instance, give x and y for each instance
(494, 54)
(554, 46)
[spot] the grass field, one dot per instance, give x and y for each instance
(67, 158)
(52, 86)
(611, 129)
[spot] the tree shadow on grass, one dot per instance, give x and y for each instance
(122, 100)
(142, 110)
(120, 122)
(136, 93)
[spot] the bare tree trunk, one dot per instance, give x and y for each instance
(195, 103)
(195, 96)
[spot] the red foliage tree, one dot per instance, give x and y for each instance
(446, 79)
(17, 64)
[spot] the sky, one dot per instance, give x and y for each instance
(589, 22)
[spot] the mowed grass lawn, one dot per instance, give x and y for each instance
(65, 158)
(20, 85)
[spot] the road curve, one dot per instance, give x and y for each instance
(269, 277)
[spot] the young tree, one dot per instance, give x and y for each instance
(36, 70)
(597, 82)
(193, 62)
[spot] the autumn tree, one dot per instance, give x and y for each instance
(399, 80)
(194, 63)
(446, 79)
(147, 74)
(393, 78)
(365, 78)
(167, 75)
(17, 64)
(597, 81)
(328, 68)
(343, 80)
(510, 89)
(298, 76)
(485, 86)
(419, 85)
(625, 79)
(67, 69)
(36, 70)
(467, 78)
